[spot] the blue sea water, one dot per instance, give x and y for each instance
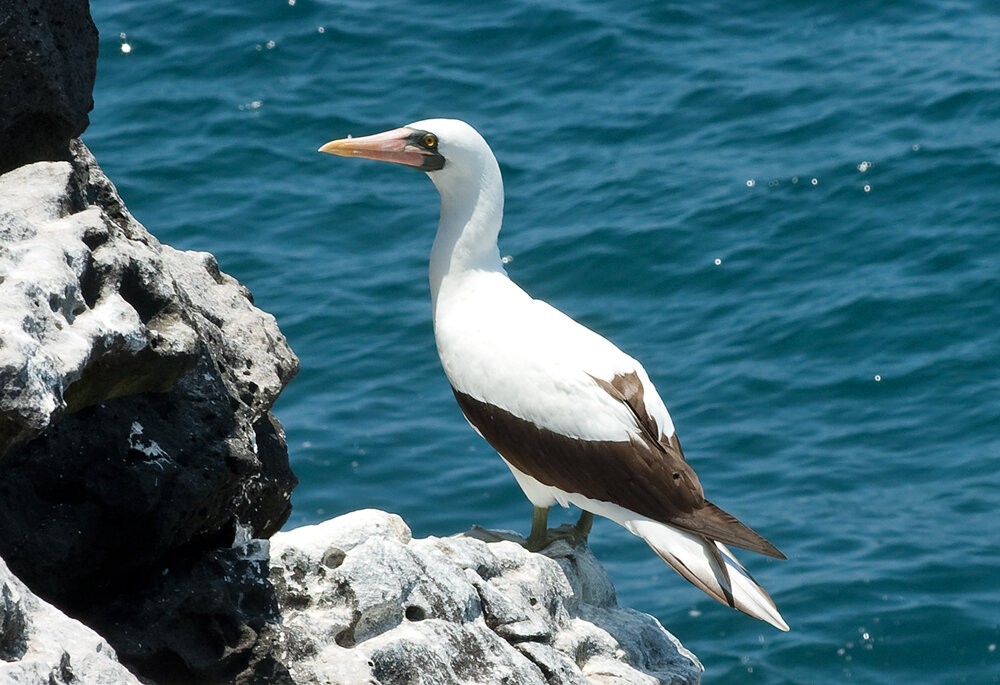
(790, 212)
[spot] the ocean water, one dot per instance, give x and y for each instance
(789, 212)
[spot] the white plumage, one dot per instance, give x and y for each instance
(502, 347)
(525, 372)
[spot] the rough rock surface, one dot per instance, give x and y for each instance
(362, 602)
(48, 60)
(39, 644)
(200, 621)
(135, 430)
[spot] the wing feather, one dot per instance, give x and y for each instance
(646, 476)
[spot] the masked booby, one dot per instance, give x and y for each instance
(576, 419)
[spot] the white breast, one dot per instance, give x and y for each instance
(502, 347)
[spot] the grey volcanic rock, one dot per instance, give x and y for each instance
(362, 602)
(135, 430)
(48, 60)
(40, 644)
(135, 384)
(93, 307)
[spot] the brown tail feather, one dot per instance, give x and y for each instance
(717, 524)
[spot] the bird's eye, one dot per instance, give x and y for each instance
(430, 141)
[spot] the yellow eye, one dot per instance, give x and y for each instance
(430, 141)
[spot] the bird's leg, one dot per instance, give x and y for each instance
(583, 526)
(539, 536)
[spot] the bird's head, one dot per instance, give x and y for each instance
(431, 145)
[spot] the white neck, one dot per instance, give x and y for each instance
(471, 214)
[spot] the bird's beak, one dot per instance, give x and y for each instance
(391, 146)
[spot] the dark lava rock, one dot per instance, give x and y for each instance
(201, 620)
(40, 644)
(119, 489)
(48, 61)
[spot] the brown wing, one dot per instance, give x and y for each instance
(646, 474)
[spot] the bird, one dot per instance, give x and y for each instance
(577, 420)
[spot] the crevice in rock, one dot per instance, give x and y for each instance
(90, 282)
(415, 613)
(345, 638)
(13, 644)
(138, 293)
